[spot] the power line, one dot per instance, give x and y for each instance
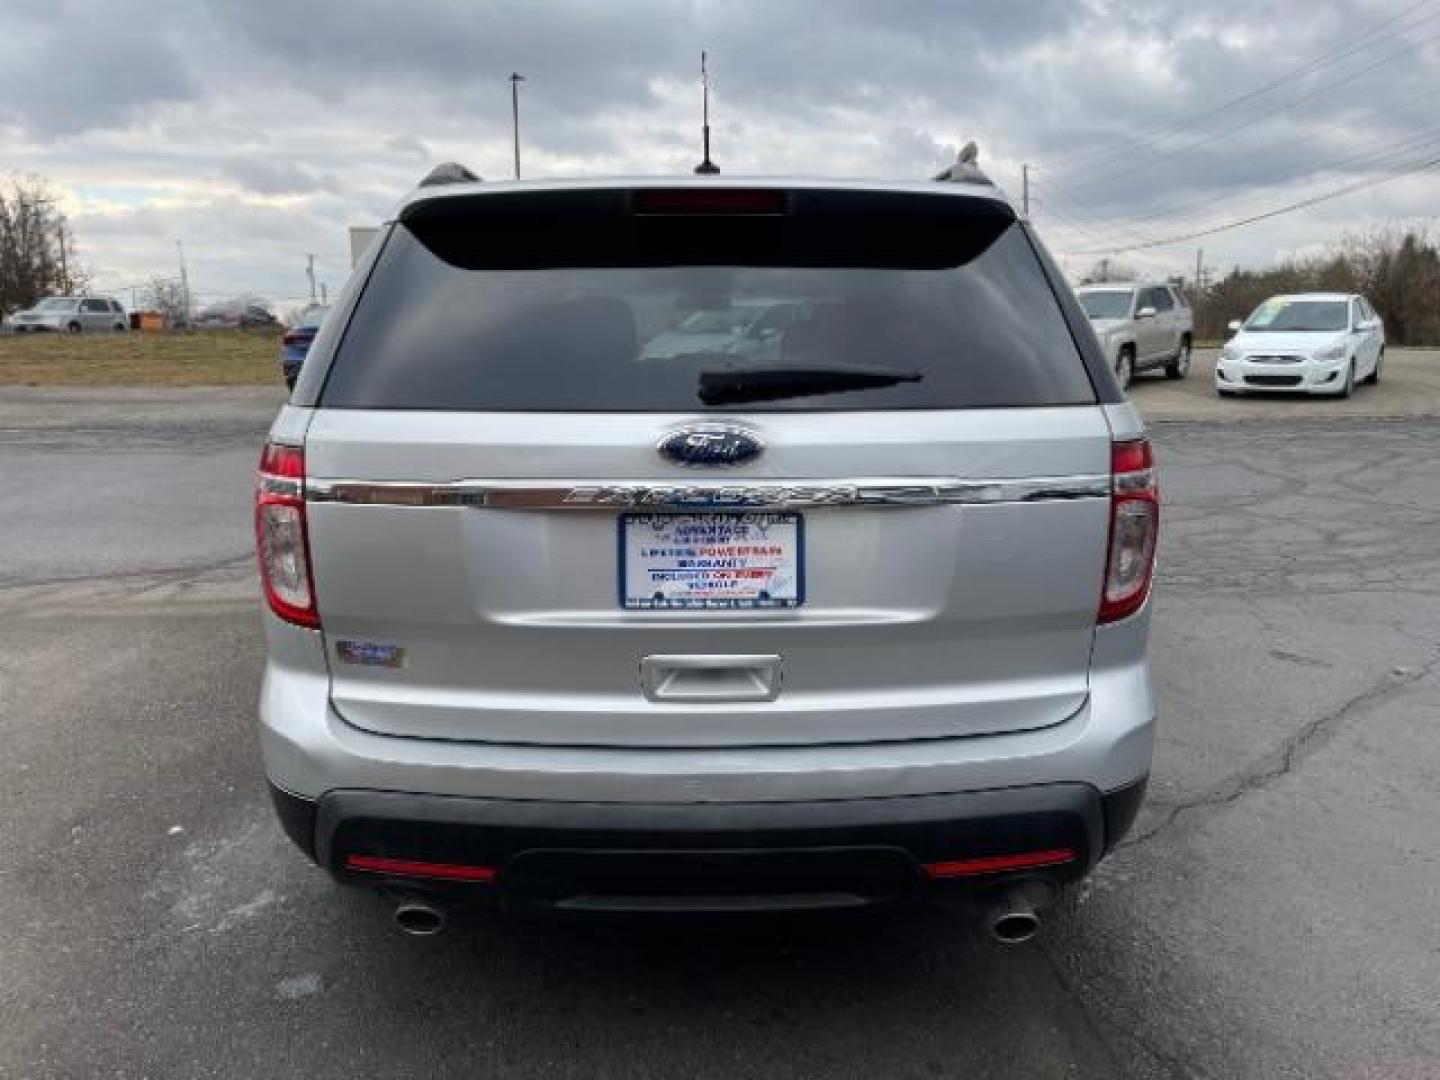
(1104, 230)
(1170, 155)
(1277, 212)
(1373, 154)
(1084, 234)
(1365, 41)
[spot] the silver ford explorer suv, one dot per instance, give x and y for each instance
(564, 623)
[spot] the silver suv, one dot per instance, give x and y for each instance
(1141, 327)
(860, 620)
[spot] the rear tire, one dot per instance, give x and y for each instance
(74, 328)
(1125, 367)
(1179, 366)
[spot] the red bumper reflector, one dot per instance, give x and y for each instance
(374, 864)
(994, 864)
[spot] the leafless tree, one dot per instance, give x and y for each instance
(1399, 272)
(167, 296)
(37, 253)
(1108, 270)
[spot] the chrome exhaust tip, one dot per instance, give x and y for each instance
(1013, 917)
(418, 917)
(1014, 927)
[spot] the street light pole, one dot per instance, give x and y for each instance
(515, 80)
(184, 284)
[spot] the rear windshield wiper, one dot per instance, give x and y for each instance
(774, 383)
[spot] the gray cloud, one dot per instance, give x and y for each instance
(65, 71)
(274, 177)
(142, 114)
(405, 144)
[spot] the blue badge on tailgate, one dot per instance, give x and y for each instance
(710, 444)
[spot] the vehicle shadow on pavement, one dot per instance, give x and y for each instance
(899, 992)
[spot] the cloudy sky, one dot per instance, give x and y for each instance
(256, 131)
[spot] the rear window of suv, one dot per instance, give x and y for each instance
(587, 302)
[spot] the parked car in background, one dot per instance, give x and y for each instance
(296, 343)
(745, 329)
(553, 623)
(1309, 343)
(214, 318)
(255, 317)
(234, 315)
(1141, 327)
(71, 313)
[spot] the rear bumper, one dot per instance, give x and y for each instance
(578, 856)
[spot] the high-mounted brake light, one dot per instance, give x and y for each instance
(1134, 529)
(281, 537)
(709, 201)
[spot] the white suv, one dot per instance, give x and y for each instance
(859, 619)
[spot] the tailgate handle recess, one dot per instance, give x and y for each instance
(709, 679)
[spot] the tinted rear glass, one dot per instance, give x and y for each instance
(845, 302)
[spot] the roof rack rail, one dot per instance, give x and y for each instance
(451, 172)
(966, 169)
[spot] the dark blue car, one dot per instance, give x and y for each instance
(296, 342)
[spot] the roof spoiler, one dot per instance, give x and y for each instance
(451, 172)
(966, 169)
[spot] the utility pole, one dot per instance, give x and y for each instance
(515, 80)
(1199, 270)
(1025, 192)
(323, 299)
(64, 269)
(184, 285)
(310, 273)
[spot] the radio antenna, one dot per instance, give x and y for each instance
(706, 167)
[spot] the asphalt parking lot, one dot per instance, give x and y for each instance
(1274, 914)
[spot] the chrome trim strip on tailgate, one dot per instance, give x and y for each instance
(705, 495)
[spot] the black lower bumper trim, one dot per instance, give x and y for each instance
(708, 856)
(297, 818)
(1121, 806)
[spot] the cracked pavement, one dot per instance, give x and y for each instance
(1273, 914)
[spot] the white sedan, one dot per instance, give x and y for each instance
(1311, 343)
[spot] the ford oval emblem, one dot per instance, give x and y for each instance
(710, 444)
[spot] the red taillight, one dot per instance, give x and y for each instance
(1134, 529)
(413, 868)
(281, 537)
(995, 864)
(290, 338)
(709, 201)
